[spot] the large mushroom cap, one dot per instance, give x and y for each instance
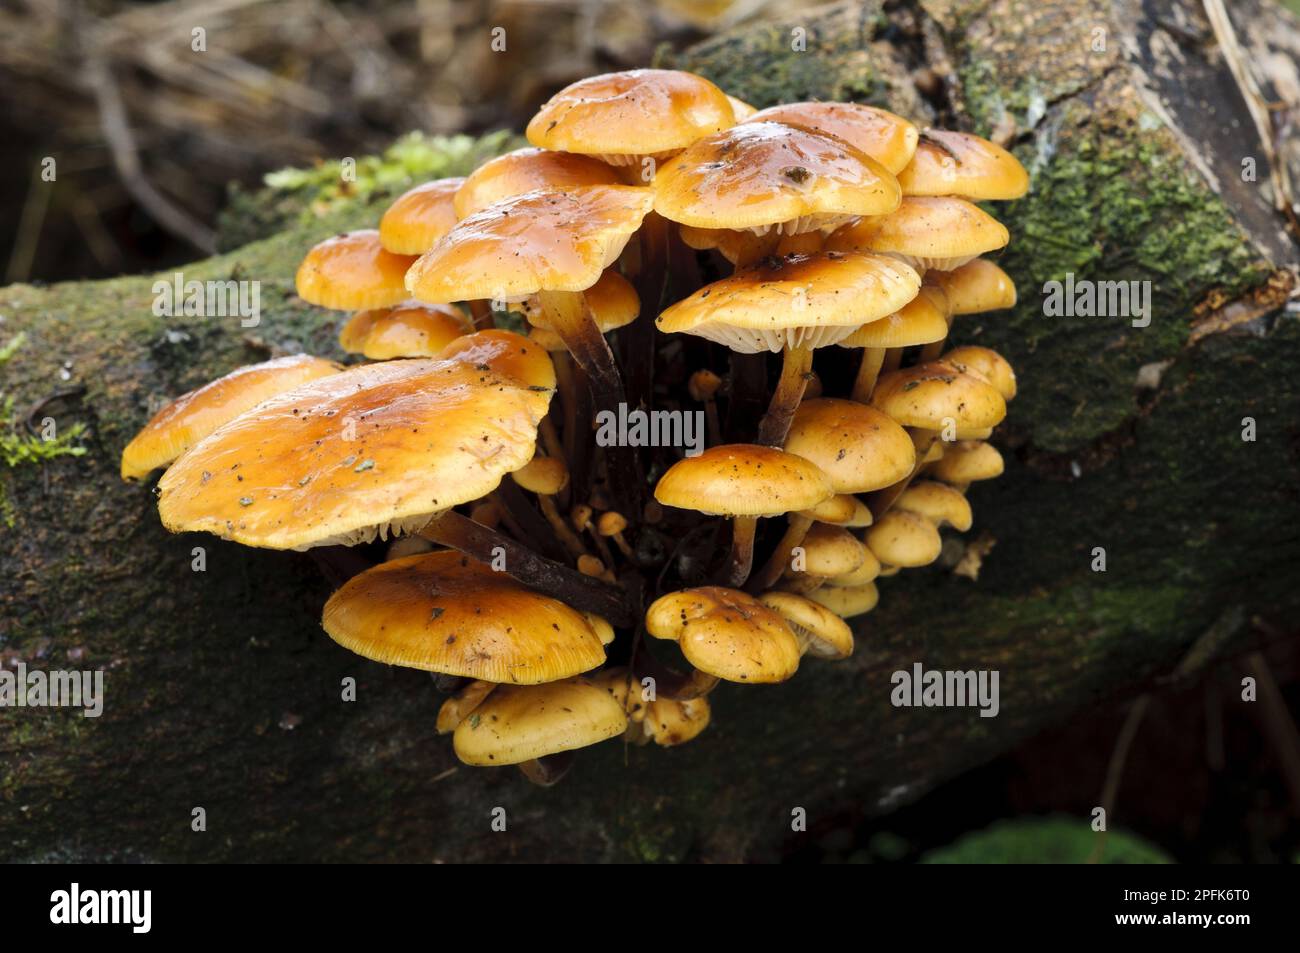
(726, 633)
(193, 416)
(620, 116)
(929, 395)
(521, 723)
(928, 233)
(860, 448)
(794, 301)
(976, 287)
(410, 329)
(823, 634)
(761, 175)
(985, 363)
(444, 612)
(890, 140)
(374, 449)
(527, 170)
(901, 538)
(958, 163)
(922, 320)
(612, 301)
(419, 217)
(937, 502)
(743, 480)
(967, 461)
(352, 272)
(547, 240)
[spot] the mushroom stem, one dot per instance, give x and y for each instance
(481, 312)
(873, 358)
(775, 424)
(742, 550)
(547, 770)
(893, 358)
(882, 500)
(566, 536)
(545, 575)
(570, 318)
(637, 339)
(796, 529)
(523, 520)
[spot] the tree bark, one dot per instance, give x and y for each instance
(222, 691)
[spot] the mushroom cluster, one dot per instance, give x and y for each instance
(504, 488)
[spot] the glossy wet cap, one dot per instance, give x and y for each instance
(410, 329)
(928, 233)
(889, 139)
(444, 612)
(743, 480)
(631, 113)
(760, 175)
(726, 633)
(547, 240)
(930, 395)
(958, 163)
(193, 416)
(612, 301)
(353, 272)
(794, 301)
(518, 723)
(527, 170)
(986, 363)
(418, 218)
(859, 447)
(824, 634)
(372, 450)
(922, 320)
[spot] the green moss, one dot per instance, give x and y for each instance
(1046, 840)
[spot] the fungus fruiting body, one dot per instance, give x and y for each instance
(515, 545)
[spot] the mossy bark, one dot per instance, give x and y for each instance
(223, 692)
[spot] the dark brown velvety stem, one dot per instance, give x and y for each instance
(742, 551)
(785, 399)
(545, 575)
(776, 564)
(482, 314)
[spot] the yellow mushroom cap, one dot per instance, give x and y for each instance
(726, 633)
(967, 461)
(761, 175)
(986, 363)
(860, 448)
(669, 722)
(958, 163)
(548, 240)
(922, 320)
(418, 218)
(927, 233)
(830, 551)
(526, 170)
(631, 113)
(930, 395)
(743, 480)
(976, 287)
(900, 538)
(847, 601)
(890, 140)
(794, 301)
(823, 633)
(730, 244)
(703, 384)
(444, 612)
(352, 272)
(522, 722)
(374, 449)
(937, 502)
(740, 109)
(864, 574)
(838, 509)
(410, 329)
(612, 300)
(458, 707)
(193, 416)
(545, 475)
